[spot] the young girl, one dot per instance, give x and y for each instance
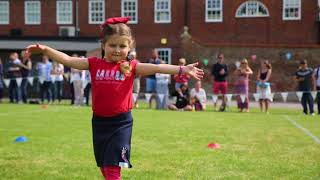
(263, 86)
(112, 79)
(181, 79)
(242, 85)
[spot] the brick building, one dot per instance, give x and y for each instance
(196, 29)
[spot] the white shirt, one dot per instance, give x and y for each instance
(201, 95)
(59, 69)
(162, 78)
(76, 75)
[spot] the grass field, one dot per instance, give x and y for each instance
(165, 145)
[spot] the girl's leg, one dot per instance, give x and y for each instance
(261, 104)
(267, 105)
(111, 172)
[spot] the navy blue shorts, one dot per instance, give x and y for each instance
(112, 140)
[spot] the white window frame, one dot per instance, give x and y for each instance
(6, 13)
(123, 11)
(69, 11)
(169, 50)
(90, 12)
(284, 10)
(245, 5)
(214, 9)
(26, 21)
(161, 10)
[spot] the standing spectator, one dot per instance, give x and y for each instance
(151, 79)
(13, 73)
(219, 72)
(162, 89)
(263, 85)
(77, 84)
(71, 82)
(136, 82)
(1, 81)
(305, 80)
(198, 97)
(26, 67)
(181, 78)
(182, 102)
(58, 70)
(44, 71)
(242, 85)
(87, 88)
(316, 77)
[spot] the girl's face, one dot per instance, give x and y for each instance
(117, 48)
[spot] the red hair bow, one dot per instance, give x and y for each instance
(115, 20)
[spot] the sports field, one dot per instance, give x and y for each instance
(165, 145)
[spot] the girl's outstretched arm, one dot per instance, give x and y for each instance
(73, 62)
(145, 69)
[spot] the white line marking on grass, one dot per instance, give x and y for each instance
(306, 131)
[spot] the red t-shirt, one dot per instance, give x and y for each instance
(183, 78)
(111, 90)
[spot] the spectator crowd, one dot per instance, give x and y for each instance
(52, 78)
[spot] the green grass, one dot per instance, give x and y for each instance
(165, 145)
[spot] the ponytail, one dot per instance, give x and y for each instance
(125, 68)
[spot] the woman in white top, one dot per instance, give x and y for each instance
(198, 97)
(162, 90)
(77, 84)
(58, 70)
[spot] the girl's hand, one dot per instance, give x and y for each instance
(35, 49)
(193, 71)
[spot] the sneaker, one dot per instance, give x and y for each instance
(312, 114)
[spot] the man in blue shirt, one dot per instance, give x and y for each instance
(44, 71)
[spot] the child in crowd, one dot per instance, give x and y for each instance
(198, 97)
(181, 78)
(112, 79)
(182, 102)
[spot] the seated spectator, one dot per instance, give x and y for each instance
(198, 97)
(182, 102)
(182, 78)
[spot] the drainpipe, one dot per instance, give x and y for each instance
(186, 12)
(77, 18)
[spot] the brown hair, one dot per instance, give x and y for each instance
(268, 64)
(120, 29)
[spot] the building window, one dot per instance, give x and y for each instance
(96, 12)
(162, 11)
(32, 12)
(164, 54)
(4, 12)
(291, 10)
(213, 10)
(130, 8)
(64, 12)
(252, 9)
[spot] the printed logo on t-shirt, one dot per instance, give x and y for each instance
(109, 75)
